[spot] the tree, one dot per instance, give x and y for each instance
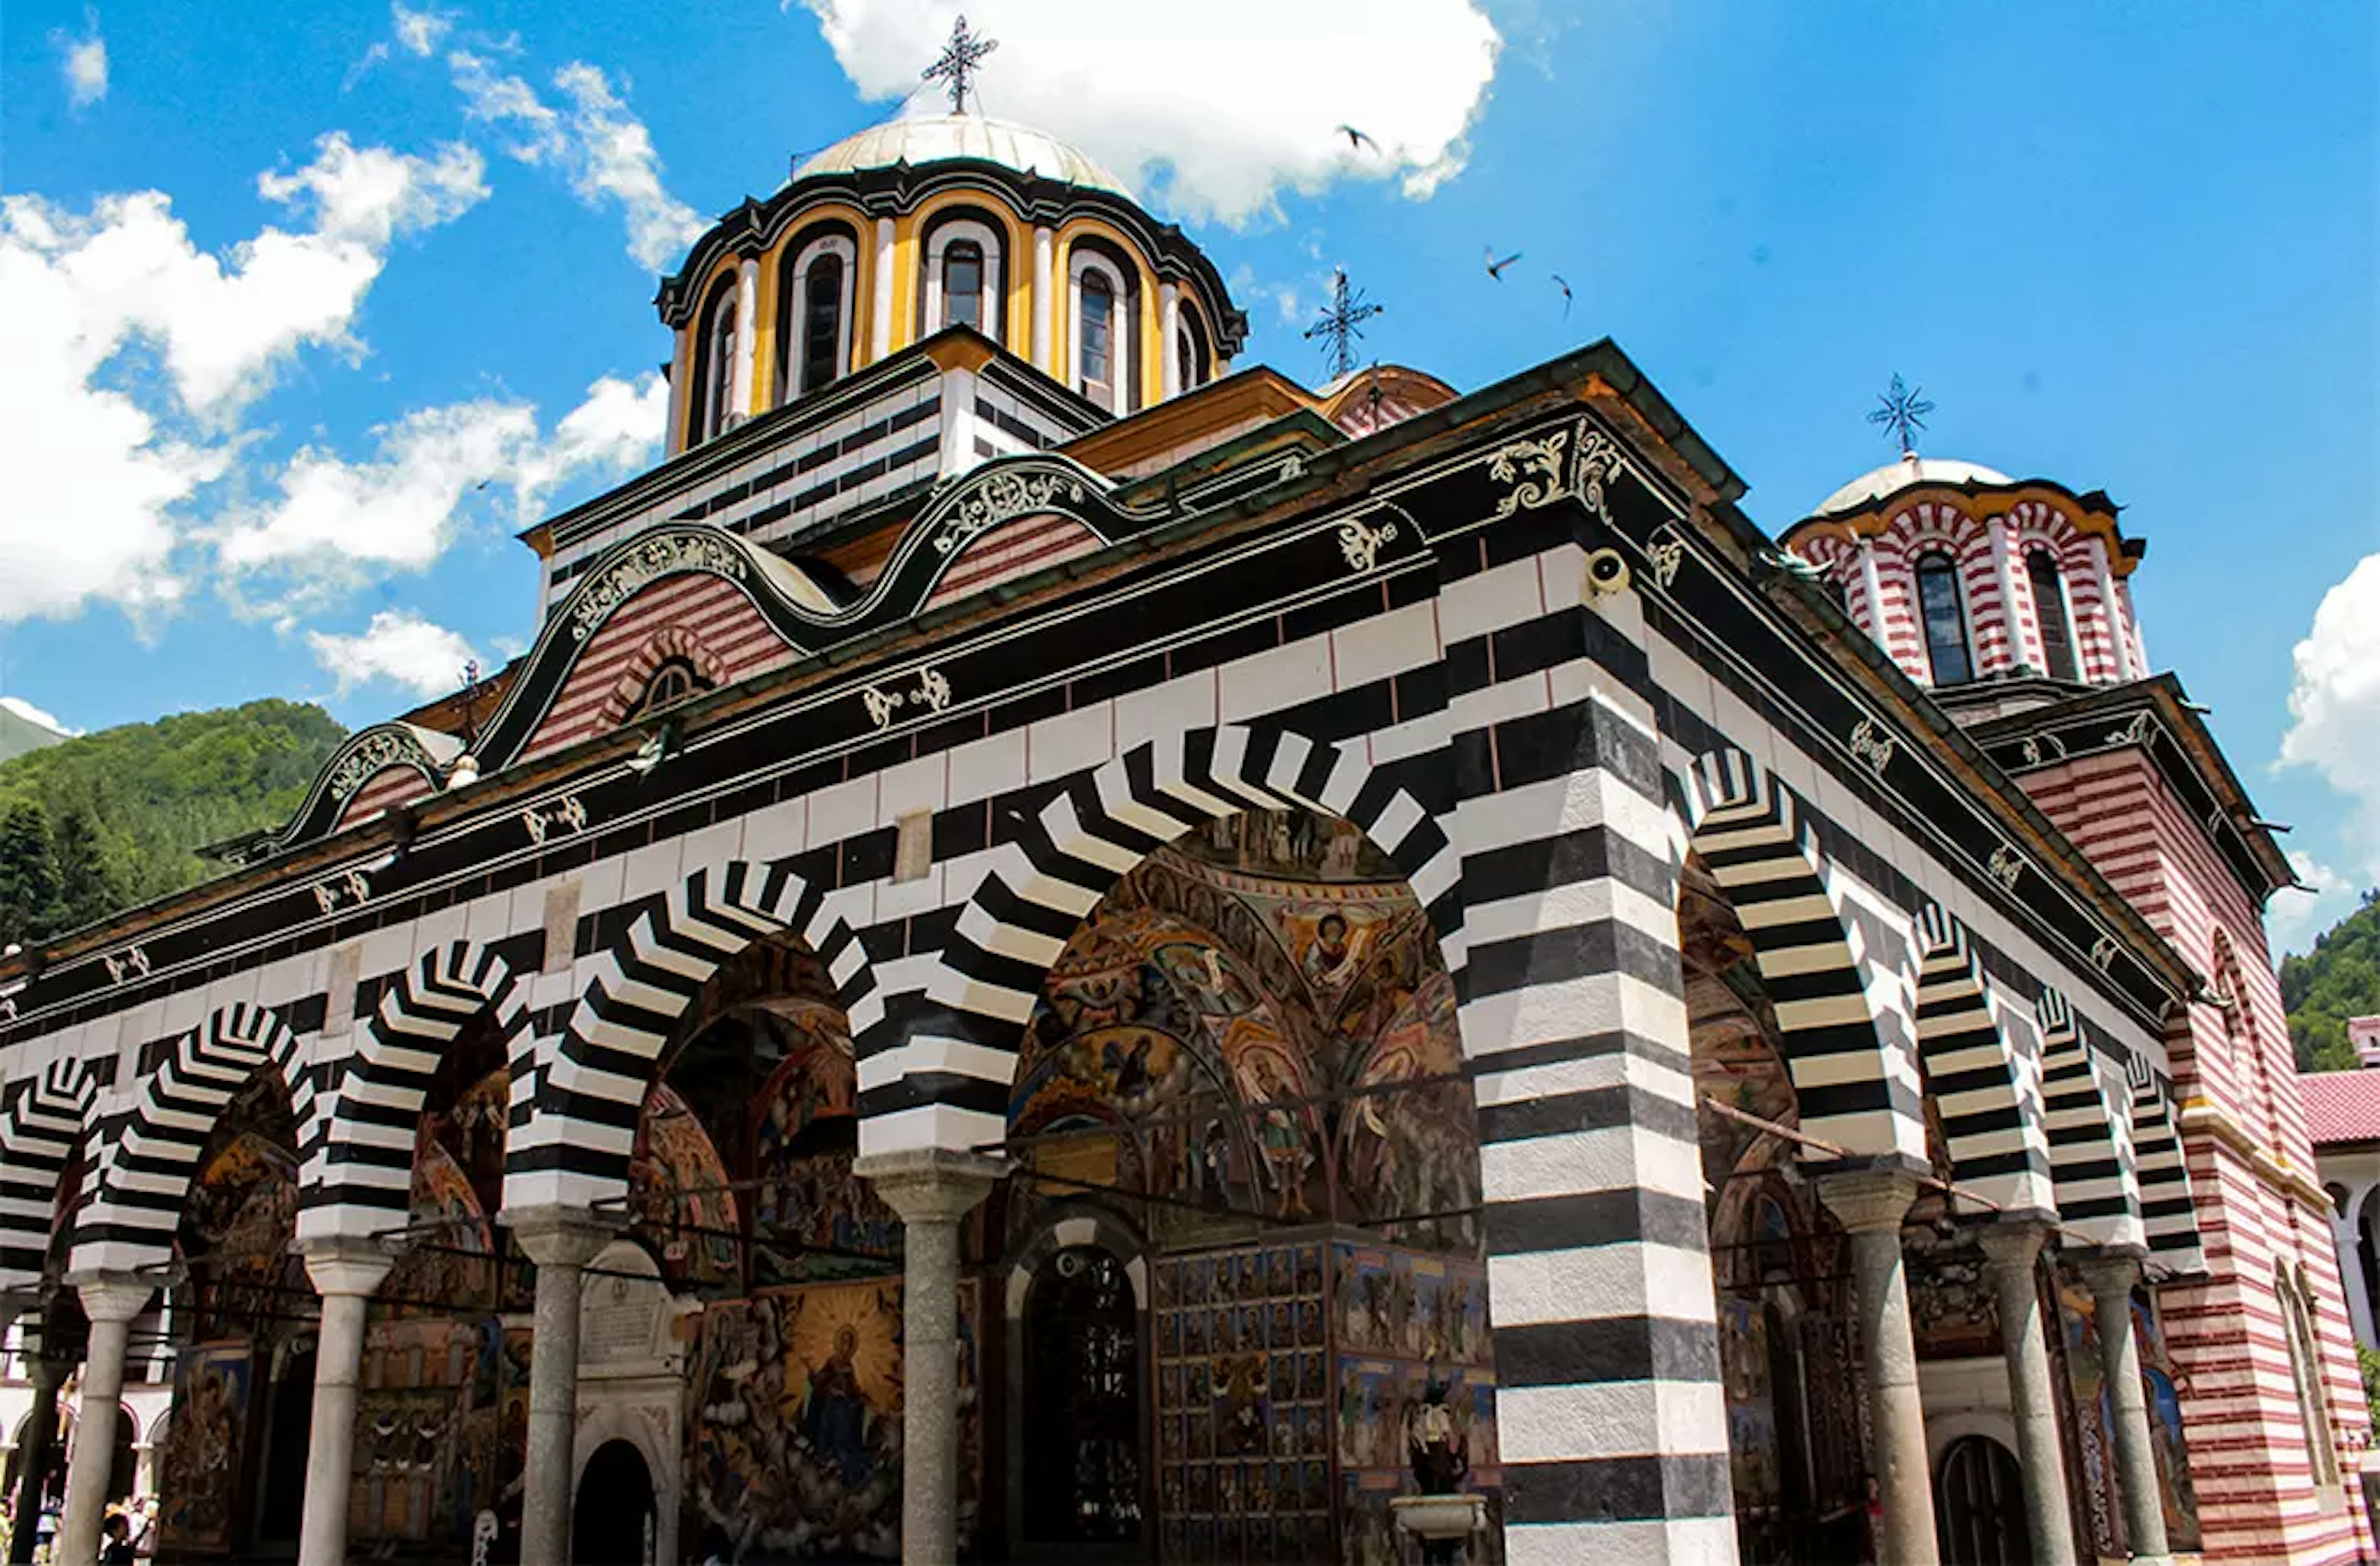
(86, 885)
(29, 874)
(2339, 980)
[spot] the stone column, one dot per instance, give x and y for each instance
(1870, 1203)
(1872, 592)
(2013, 1250)
(2345, 1233)
(562, 1240)
(344, 1273)
(1044, 305)
(931, 1190)
(46, 1371)
(748, 337)
(2110, 1281)
(1169, 321)
(111, 1300)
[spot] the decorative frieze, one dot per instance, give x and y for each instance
(2006, 866)
(1667, 553)
(1533, 468)
(1871, 745)
(1362, 542)
(567, 814)
(932, 692)
(351, 887)
(1001, 496)
(663, 554)
(381, 748)
(130, 963)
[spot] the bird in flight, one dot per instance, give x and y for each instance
(1357, 139)
(1565, 288)
(1495, 268)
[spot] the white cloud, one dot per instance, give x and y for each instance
(33, 714)
(103, 455)
(419, 31)
(399, 646)
(84, 61)
(615, 431)
(616, 160)
(2293, 918)
(604, 151)
(336, 523)
(2335, 705)
(1221, 105)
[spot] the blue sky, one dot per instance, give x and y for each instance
(282, 449)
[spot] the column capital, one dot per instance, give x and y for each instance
(560, 1236)
(1868, 1201)
(342, 1265)
(930, 1184)
(2109, 1272)
(113, 1296)
(2012, 1246)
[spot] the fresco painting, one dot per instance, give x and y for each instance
(205, 1445)
(812, 1218)
(796, 1433)
(441, 1430)
(1243, 1410)
(679, 1196)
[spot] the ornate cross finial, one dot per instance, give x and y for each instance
(961, 58)
(1342, 324)
(1902, 410)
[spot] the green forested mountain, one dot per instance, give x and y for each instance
(113, 818)
(2339, 980)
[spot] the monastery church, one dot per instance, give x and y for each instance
(1063, 946)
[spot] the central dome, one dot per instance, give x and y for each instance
(936, 138)
(1893, 477)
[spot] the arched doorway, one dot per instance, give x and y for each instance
(1979, 1505)
(1083, 1473)
(288, 1433)
(613, 1523)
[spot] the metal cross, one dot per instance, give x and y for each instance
(1902, 411)
(961, 58)
(1342, 324)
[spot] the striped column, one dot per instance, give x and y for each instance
(1610, 1409)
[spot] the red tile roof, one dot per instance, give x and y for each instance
(2342, 1106)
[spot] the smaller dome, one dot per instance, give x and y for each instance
(1894, 476)
(934, 139)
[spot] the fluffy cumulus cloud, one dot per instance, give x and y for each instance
(2294, 918)
(2334, 706)
(1216, 106)
(397, 647)
(84, 59)
(334, 522)
(603, 148)
(101, 454)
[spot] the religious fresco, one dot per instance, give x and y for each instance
(1244, 1423)
(1252, 1049)
(679, 1200)
(1953, 1307)
(441, 1431)
(458, 1176)
(812, 1218)
(240, 1216)
(2090, 1413)
(1404, 1318)
(796, 1427)
(1736, 1059)
(200, 1457)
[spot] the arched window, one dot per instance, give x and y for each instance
(2305, 1370)
(1945, 619)
(1191, 367)
(821, 323)
(677, 681)
(2049, 609)
(717, 387)
(963, 285)
(1097, 357)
